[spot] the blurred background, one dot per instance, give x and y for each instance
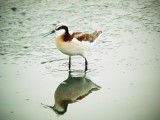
(125, 62)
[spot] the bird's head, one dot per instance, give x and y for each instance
(59, 29)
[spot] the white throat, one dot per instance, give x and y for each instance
(60, 32)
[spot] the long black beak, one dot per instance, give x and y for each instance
(53, 31)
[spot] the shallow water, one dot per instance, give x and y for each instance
(125, 62)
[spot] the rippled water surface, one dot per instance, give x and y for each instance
(123, 79)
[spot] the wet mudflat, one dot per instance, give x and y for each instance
(123, 77)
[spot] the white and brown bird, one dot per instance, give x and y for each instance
(74, 43)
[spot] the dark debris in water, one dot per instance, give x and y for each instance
(2, 53)
(20, 22)
(25, 47)
(27, 99)
(11, 112)
(23, 13)
(54, 24)
(14, 9)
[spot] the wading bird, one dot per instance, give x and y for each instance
(74, 43)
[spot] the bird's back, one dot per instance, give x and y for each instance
(90, 37)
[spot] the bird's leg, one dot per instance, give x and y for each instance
(69, 65)
(86, 64)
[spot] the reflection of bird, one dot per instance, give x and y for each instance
(71, 90)
(75, 43)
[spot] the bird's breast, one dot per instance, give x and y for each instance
(68, 47)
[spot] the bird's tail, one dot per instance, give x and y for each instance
(96, 33)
